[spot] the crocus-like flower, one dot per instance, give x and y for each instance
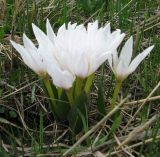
(122, 65)
(30, 56)
(61, 76)
(42, 60)
(81, 51)
(74, 51)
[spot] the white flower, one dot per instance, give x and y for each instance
(61, 76)
(72, 52)
(81, 51)
(31, 56)
(122, 65)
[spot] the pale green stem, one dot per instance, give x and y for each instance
(115, 94)
(70, 96)
(89, 83)
(79, 85)
(59, 92)
(50, 92)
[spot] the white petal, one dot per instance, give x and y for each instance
(39, 65)
(117, 41)
(72, 26)
(110, 61)
(61, 30)
(92, 65)
(62, 79)
(46, 52)
(92, 27)
(28, 44)
(39, 61)
(97, 61)
(101, 59)
(105, 33)
(81, 27)
(40, 36)
(115, 58)
(50, 33)
(134, 64)
(121, 70)
(107, 29)
(46, 48)
(116, 33)
(126, 52)
(25, 56)
(81, 66)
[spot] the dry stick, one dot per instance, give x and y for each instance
(19, 89)
(29, 149)
(142, 100)
(122, 9)
(134, 145)
(96, 126)
(137, 102)
(149, 20)
(10, 135)
(139, 136)
(156, 19)
(85, 22)
(138, 129)
(157, 24)
(118, 142)
(137, 37)
(152, 92)
(7, 84)
(22, 119)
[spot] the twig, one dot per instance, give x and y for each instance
(138, 136)
(138, 129)
(134, 145)
(95, 127)
(142, 100)
(152, 92)
(19, 89)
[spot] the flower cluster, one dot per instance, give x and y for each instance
(73, 52)
(70, 57)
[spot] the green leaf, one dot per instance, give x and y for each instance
(62, 107)
(85, 123)
(55, 91)
(101, 100)
(78, 114)
(116, 124)
(2, 33)
(3, 152)
(89, 82)
(12, 114)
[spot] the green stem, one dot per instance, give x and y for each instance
(115, 94)
(50, 92)
(70, 96)
(59, 92)
(89, 83)
(78, 88)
